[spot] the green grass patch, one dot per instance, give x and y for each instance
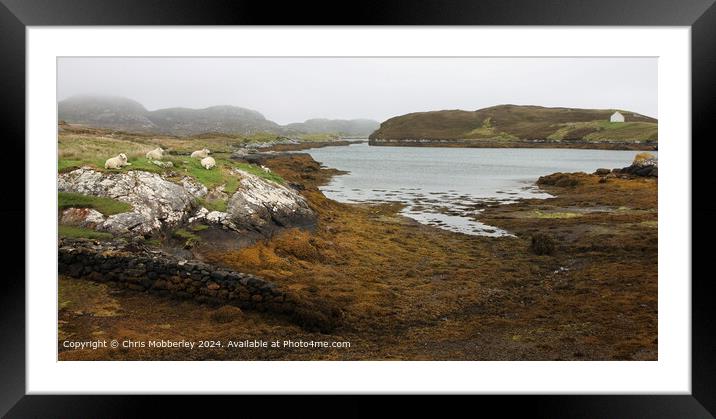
(636, 131)
(218, 205)
(153, 242)
(189, 238)
(75, 232)
(256, 170)
(106, 206)
(76, 151)
(66, 165)
(199, 227)
(488, 132)
(606, 130)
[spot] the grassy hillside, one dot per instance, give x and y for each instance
(93, 147)
(512, 122)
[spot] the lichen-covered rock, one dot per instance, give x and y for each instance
(83, 217)
(156, 201)
(165, 164)
(260, 204)
(193, 187)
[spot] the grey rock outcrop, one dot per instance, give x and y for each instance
(156, 201)
(258, 205)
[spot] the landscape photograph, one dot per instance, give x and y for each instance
(357, 208)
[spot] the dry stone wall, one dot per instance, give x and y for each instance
(155, 271)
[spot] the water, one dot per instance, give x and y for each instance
(446, 187)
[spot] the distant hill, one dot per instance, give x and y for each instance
(513, 123)
(346, 127)
(106, 112)
(222, 119)
(128, 115)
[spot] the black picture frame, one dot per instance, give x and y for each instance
(16, 15)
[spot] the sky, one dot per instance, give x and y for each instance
(288, 90)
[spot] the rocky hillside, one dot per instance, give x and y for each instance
(512, 123)
(343, 127)
(221, 119)
(128, 115)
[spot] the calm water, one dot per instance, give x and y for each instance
(446, 187)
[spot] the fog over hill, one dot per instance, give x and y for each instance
(120, 113)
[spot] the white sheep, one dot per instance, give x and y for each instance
(265, 169)
(117, 162)
(201, 154)
(208, 162)
(155, 154)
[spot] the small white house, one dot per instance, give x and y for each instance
(616, 117)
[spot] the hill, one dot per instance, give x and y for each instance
(222, 119)
(511, 124)
(344, 127)
(119, 113)
(106, 112)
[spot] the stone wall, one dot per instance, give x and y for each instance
(130, 265)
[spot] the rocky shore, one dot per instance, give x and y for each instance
(578, 281)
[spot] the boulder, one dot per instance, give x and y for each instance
(260, 204)
(83, 217)
(164, 164)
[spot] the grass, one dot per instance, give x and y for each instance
(636, 131)
(199, 227)
(256, 170)
(153, 242)
(81, 232)
(106, 206)
(189, 238)
(213, 205)
(488, 132)
(93, 150)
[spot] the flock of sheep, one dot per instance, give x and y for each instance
(120, 160)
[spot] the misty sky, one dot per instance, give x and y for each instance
(295, 89)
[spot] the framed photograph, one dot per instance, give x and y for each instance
(463, 201)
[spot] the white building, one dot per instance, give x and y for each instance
(616, 117)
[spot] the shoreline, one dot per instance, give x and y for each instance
(513, 144)
(311, 144)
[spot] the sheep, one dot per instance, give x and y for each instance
(200, 154)
(265, 169)
(208, 162)
(155, 154)
(117, 162)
